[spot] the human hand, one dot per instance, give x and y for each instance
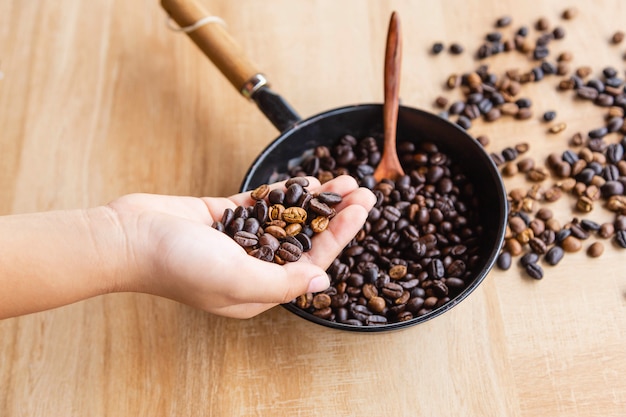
(178, 255)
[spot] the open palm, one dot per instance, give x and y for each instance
(182, 257)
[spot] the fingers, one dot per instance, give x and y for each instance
(342, 228)
(267, 283)
(243, 199)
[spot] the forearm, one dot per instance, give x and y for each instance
(59, 257)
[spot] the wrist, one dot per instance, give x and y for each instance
(114, 250)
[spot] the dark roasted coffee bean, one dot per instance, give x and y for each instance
(376, 320)
(236, 225)
(246, 239)
(219, 226)
(329, 198)
(264, 253)
(614, 152)
(320, 208)
(504, 260)
(620, 238)
(588, 93)
(579, 232)
(276, 196)
(529, 258)
(456, 48)
(392, 290)
(437, 48)
(538, 246)
(293, 194)
(534, 271)
(289, 252)
(267, 239)
(598, 133)
(241, 212)
(260, 211)
(503, 21)
(228, 216)
(436, 269)
(554, 255)
(391, 213)
(464, 122)
(251, 225)
(302, 181)
(305, 241)
(549, 116)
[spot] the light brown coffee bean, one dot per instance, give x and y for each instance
(260, 192)
(278, 232)
(376, 304)
(321, 301)
(397, 272)
(595, 250)
(319, 224)
(571, 244)
(276, 211)
(294, 215)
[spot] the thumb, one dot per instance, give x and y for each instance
(265, 282)
(306, 277)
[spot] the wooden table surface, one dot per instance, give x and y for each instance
(99, 99)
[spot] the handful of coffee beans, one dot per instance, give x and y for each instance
(279, 226)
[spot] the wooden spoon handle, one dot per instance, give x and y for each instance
(393, 62)
(214, 41)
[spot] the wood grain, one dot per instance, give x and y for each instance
(100, 99)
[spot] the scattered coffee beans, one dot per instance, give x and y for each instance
(592, 171)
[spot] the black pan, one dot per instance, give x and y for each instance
(301, 136)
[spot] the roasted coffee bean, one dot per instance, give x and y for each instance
(276, 196)
(320, 224)
(620, 238)
(246, 239)
(538, 246)
(260, 192)
(529, 258)
(504, 21)
(376, 320)
(236, 225)
(293, 194)
(504, 260)
(289, 252)
(329, 198)
(227, 217)
(305, 241)
(595, 250)
(320, 207)
(534, 271)
(294, 214)
(264, 253)
(392, 290)
(554, 255)
(267, 239)
(302, 181)
(571, 244)
(437, 48)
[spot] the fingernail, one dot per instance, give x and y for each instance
(319, 283)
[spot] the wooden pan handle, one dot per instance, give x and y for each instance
(216, 44)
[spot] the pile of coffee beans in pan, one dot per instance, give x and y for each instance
(279, 226)
(591, 168)
(419, 246)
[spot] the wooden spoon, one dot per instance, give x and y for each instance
(389, 166)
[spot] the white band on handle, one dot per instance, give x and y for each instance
(204, 21)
